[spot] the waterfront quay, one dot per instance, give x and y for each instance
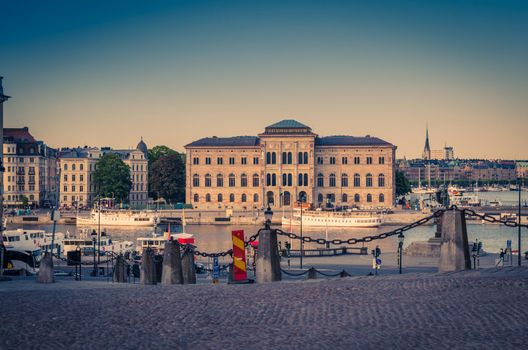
(470, 309)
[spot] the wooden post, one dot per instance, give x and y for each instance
(268, 263)
(454, 251)
(172, 264)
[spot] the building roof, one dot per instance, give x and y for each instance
(342, 140)
(288, 123)
(142, 146)
(18, 134)
(236, 141)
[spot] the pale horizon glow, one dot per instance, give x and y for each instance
(95, 74)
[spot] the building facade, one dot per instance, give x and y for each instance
(287, 163)
(77, 165)
(30, 169)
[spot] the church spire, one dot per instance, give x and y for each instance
(427, 149)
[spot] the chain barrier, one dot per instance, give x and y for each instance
(221, 254)
(492, 219)
(366, 239)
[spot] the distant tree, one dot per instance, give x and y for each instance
(112, 177)
(402, 184)
(167, 178)
(25, 202)
(158, 152)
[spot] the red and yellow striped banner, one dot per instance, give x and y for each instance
(239, 256)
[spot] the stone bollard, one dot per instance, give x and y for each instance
(45, 273)
(230, 273)
(120, 270)
(268, 263)
(148, 268)
(344, 274)
(189, 270)
(172, 264)
(312, 274)
(454, 251)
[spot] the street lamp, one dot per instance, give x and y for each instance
(519, 219)
(401, 237)
(302, 199)
(94, 240)
(268, 215)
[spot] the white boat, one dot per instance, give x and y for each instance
(21, 259)
(118, 218)
(31, 240)
(86, 245)
(424, 190)
(157, 242)
(316, 218)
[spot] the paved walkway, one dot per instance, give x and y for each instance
(475, 310)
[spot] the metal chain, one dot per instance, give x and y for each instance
(366, 239)
(489, 218)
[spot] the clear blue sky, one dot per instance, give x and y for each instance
(108, 72)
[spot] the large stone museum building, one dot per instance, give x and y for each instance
(288, 163)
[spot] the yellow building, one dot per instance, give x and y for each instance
(287, 163)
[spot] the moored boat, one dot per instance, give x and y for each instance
(118, 218)
(316, 218)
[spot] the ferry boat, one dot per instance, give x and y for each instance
(118, 218)
(32, 240)
(86, 244)
(318, 218)
(157, 242)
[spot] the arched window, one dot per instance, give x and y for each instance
(381, 198)
(290, 180)
(320, 180)
(208, 197)
(302, 197)
(357, 180)
(369, 180)
(290, 158)
(300, 180)
(273, 158)
(284, 158)
(231, 180)
(255, 180)
(356, 198)
(231, 197)
(270, 198)
(243, 180)
(268, 157)
(305, 157)
(300, 158)
(286, 198)
(320, 198)
(381, 180)
(344, 198)
(332, 181)
(219, 180)
(220, 198)
(244, 198)
(195, 197)
(207, 180)
(344, 180)
(255, 198)
(369, 198)
(196, 180)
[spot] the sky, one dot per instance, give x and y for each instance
(106, 73)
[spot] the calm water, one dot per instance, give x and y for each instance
(213, 238)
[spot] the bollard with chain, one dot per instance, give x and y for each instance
(189, 270)
(172, 264)
(148, 268)
(268, 263)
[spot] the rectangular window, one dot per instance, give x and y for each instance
(81, 188)
(356, 160)
(65, 178)
(81, 166)
(344, 160)
(319, 160)
(81, 177)
(65, 188)
(73, 177)
(208, 160)
(219, 160)
(382, 160)
(332, 160)
(255, 160)
(369, 160)
(244, 160)
(231, 160)
(196, 160)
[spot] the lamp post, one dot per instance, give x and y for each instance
(519, 220)
(99, 230)
(301, 200)
(268, 215)
(94, 240)
(401, 237)
(3, 98)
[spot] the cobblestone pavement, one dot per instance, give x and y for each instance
(471, 310)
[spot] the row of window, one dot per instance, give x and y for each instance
(20, 188)
(220, 198)
(344, 160)
(19, 197)
(330, 198)
(287, 180)
(220, 160)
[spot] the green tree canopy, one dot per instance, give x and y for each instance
(167, 178)
(112, 177)
(158, 152)
(402, 184)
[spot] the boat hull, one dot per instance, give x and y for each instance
(356, 222)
